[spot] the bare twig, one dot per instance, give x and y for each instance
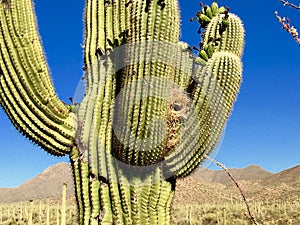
(286, 25)
(289, 4)
(238, 186)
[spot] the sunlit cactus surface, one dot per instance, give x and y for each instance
(152, 109)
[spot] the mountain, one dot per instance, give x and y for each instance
(201, 186)
(47, 184)
(289, 176)
(253, 172)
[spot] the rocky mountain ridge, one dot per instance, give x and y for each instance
(202, 185)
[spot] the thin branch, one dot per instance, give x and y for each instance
(289, 4)
(238, 186)
(286, 25)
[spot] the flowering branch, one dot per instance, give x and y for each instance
(286, 23)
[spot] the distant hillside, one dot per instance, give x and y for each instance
(253, 172)
(202, 186)
(289, 176)
(47, 184)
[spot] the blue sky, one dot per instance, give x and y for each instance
(264, 128)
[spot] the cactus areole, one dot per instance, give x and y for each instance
(151, 110)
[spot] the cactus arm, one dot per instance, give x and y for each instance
(218, 77)
(26, 92)
(213, 102)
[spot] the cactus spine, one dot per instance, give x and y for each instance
(151, 110)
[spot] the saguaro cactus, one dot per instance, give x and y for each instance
(151, 110)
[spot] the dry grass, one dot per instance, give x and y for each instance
(228, 213)
(208, 213)
(19, 213)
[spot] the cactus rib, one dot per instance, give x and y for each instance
(25, 83)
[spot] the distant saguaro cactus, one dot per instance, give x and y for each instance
(151, 109)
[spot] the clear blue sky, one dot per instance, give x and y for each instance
(264, 128)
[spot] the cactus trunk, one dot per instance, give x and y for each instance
(151, 109)
(129, 200)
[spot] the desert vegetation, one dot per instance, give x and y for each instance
(204, 198)
(278, 212)
(281, 212)
(48, 212)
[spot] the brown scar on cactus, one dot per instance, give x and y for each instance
(6, 4)
(179, 104)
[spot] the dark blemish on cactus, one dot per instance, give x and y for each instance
(103, 180)
(6, 4)
(147, 8)
(124, 34)
(99, 52)
(110, 43)
(107, 3)
(93, 176)
(1, 72)
(128, 3)
(172, 181)
(162, 4)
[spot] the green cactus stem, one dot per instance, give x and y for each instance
(27, 94)
(63, 205)
(151, 109)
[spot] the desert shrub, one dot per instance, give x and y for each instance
(210, 219)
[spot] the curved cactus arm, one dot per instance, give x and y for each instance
(26, 91)
(217, 78)
(213, 101)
